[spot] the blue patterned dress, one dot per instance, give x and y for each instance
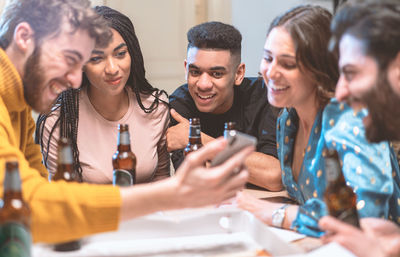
(370, 169)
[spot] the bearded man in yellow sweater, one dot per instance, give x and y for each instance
(44, 44)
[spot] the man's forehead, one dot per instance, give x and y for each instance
(195, 51)
(351, 50)
(71, 40)
(209, 57)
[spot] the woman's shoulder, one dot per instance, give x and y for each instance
(344, 125)
(286, 118)
(339, 113)
(50, 118)
(283, 115)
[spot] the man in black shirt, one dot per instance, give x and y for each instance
(217, 92)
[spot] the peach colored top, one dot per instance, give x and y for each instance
(97, 140)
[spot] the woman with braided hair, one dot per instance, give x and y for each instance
(114, 90)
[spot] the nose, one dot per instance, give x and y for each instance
(204, 83)
(342, 90)
(74, 77)
(111, 67)
(272, 71)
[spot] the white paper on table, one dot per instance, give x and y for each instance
(184, 233)
(287, 235)
(329, 250)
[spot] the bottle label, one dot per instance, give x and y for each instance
(332, 169)
(194, 131)
(12, 181)
(15, 240)
(124, 138)
(66, 155)
(122, 178)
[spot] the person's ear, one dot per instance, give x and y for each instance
(24, 38)
(394, 73)
(186, 69)
(239, 76)
(398, 68)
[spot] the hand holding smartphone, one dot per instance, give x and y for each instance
(237, 141)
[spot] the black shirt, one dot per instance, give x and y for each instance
(250, 110)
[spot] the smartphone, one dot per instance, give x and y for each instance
(236, 142)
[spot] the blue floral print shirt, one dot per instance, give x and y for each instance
(370, 169)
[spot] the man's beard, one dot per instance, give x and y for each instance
(384, 111)
(33, 81)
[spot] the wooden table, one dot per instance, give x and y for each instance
(261, 194)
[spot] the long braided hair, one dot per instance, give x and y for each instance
(68, 102)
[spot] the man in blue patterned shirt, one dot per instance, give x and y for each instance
(368, 38)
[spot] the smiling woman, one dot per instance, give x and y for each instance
(114, 90)
(301, 74)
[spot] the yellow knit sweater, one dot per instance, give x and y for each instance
(60, 211)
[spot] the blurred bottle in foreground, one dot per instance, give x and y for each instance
(15, 215)
(339, 197)
(65, 171)
(65, 163)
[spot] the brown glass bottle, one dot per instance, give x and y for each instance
(65, 163)
(65, 171)
(194, 136)
(229, 129)
(339, 197)
(124, 160)
(15, 215)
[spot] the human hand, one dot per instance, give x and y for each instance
(350, 237)
(260, 208)
(177, 136)
(379, 227)
(199, 186)
(386, 232)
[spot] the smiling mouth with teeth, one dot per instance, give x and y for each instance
(56, 89)
(205, 97)
(278, 88)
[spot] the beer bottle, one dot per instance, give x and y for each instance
(15, 214)
(229, 129)
(65, 171)
(194, 136)
(124, 160)
(339, 197)
(65, 164)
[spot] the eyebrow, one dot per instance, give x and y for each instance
(282, 55)
(193, 66)
(119, 46)
(97, 52)
(115, 49)
(212, 68)
(218, 68)
(76, 53)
